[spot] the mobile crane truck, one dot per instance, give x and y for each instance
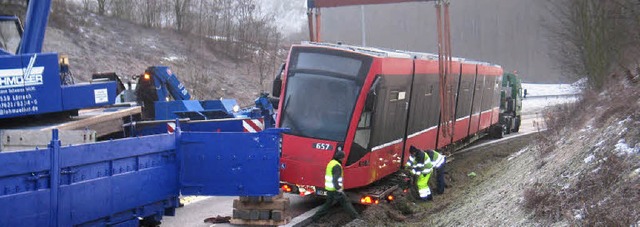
(164, 98)
(35, 83)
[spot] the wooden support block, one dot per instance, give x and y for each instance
(277, 215)
(254, 215)
(268, 199)
(254, 199)
(260, 222)
(277, 204)
(264, 214)
(241, 214)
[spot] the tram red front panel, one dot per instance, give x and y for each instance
(384, 161)
(304, 160)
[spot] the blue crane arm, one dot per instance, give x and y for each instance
(167, 83)
(35, 27)
(11, 34)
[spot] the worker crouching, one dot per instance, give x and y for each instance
(333, 185)
(438, 160)
(420, 165)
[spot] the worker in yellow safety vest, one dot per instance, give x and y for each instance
(438, 160)
(333, 185)
(420, 166)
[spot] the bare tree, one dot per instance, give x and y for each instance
(238, 29)
(150, 13)
(180, 8)
(101, 6)
(592, 37)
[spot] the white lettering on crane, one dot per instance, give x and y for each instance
(22, 77)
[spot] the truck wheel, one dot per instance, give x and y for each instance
(498, 131)
(507, 129)
(517, 124)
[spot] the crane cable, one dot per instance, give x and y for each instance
(450, 84)
(445, 66)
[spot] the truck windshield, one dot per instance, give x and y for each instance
(9, 36)
(321, 93)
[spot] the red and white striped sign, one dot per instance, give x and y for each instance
(248, 125)
(171, 127)
(253, 125)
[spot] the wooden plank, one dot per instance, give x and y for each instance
(268, 199)
(277, 215)
(254, 214)
(108, 127)
(264, 214)
(27, 139)
(260, 222)
(104, 122)
(278, 204)
(241, 214)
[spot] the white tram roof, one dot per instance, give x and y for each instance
(385, 52)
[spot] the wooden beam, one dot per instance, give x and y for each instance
(103, 123)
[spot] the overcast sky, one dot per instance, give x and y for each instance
(290, 14)
(505, 32)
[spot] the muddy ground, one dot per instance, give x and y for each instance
(584, 170)
(485, 163)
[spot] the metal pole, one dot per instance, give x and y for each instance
(54, 173)
(311, 28)
(317, 25)
(364, 31)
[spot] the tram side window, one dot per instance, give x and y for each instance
(363, 133)
(363, 136)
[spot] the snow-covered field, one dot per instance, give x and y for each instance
(549, 89)
(540, 96)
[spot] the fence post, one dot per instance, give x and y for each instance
(178, 147)
(54, 148)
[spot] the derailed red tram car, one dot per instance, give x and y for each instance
(374, 104)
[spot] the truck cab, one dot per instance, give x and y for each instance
(511, 103)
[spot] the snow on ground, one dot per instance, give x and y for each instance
(532, 105)
(540, 96)
(550, 89)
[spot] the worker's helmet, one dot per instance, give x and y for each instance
(339, 155)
